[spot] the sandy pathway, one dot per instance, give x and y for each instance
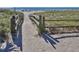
(33, 43)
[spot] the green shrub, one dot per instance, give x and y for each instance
(5, 20)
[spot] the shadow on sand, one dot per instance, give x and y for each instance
(49, 39)
(17, 34)
(53, 41)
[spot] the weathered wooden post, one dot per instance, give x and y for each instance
(44, 23)
(41, 24)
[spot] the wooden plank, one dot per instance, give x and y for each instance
(59, 26)
(64, 20)
(33, 20)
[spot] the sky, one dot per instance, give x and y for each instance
(39, 3)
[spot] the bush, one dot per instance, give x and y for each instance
(5, 20)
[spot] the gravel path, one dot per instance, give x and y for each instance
(33, 43)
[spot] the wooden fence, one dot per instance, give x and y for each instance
(41, 24)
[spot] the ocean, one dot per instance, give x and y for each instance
(41, 8)
(45, 8)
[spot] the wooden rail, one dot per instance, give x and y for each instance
(40, 23)
(33, 19)
(60, 26)
(64, 20)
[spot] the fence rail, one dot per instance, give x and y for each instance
(33, 19)
(64, 20)
(41, 23)
(59, 26)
